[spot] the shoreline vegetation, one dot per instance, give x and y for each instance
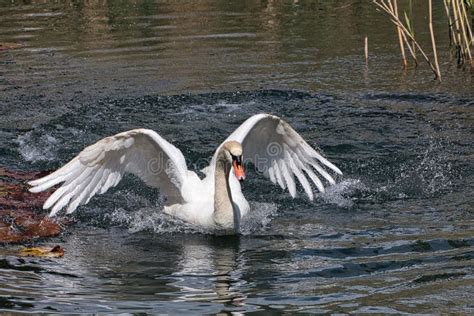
(459, 17)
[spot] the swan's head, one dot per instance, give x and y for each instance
(233, 151)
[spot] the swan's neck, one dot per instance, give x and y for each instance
(223, 205)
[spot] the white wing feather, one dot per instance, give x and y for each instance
(278, 151)
(101, 166)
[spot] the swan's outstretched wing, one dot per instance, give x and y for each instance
(278, 151)
(101, 166)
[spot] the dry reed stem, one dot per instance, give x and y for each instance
(460, 30)
(433, 42)
(382, 5)
(410, 49)
(468, 25)
(394, 8)
(467, 44)
(457, 33)
(452, 38)
(366, 50)
(464, 44)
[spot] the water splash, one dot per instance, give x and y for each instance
(425, 175)
(153, 219)
(258, 218)
(35, 147)
(435, 170)
(429, 175)
(342, 193)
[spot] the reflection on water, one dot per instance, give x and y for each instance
(395, 233)
(210, 272)
(85, 49)
(96, 271)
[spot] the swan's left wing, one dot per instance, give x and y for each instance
(280, 153)
(102, 165)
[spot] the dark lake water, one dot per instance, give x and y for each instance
(394, 235)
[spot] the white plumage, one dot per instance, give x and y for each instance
(267, 141)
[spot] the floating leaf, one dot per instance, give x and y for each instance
(55, 252)
(23, 225)
(21, 218)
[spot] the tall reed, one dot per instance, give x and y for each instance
(458, 13)
(460, 30)
(389, 6)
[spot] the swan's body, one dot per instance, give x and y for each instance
(210, 204)
(214, 202)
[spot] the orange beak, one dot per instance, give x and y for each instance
(239, 171)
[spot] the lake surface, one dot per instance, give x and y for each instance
(394, 235)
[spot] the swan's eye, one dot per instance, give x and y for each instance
(237, 159)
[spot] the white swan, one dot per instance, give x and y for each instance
(215, 202)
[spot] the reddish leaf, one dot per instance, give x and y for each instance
(20, 217)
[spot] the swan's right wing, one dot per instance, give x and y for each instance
(102, 165)
(281, 154)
